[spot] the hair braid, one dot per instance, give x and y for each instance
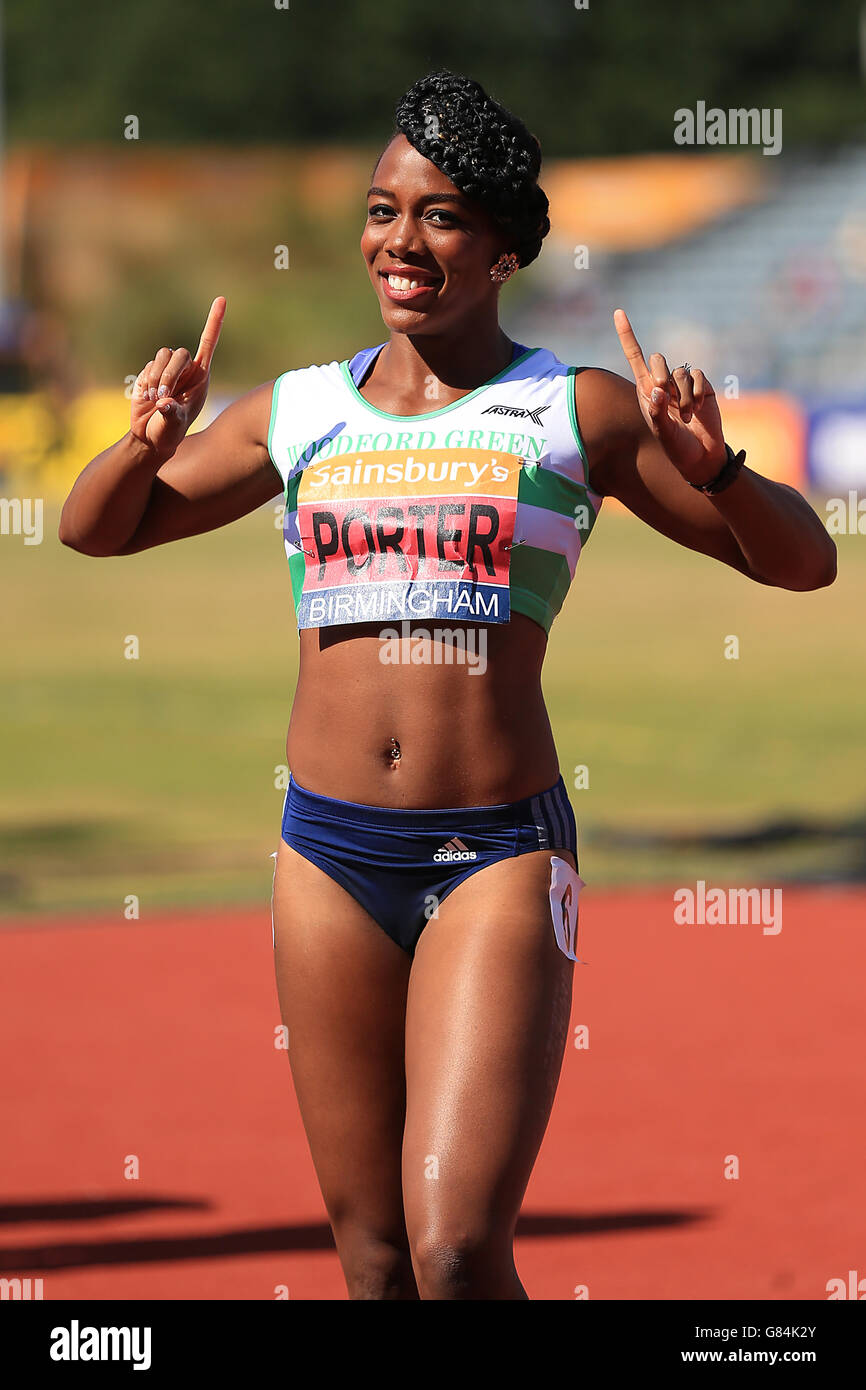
(483, 149)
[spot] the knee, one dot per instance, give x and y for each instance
(459, 1263)
(375, 1266)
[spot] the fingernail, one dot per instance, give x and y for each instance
(163, 391)
(658, 395)
(151, 393)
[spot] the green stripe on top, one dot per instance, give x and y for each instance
(538, 583)
(275, 396)
(297, 563)
(542, 487)
(572, 417)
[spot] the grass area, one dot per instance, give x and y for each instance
(156, 777)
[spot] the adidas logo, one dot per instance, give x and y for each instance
(454, 849)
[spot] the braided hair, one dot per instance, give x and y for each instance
(485, 151)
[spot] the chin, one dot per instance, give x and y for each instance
(405, 321)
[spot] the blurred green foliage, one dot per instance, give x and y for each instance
(604, 79)
(129, 263)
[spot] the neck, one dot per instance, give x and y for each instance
(460, 360)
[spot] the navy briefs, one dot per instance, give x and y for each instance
(401, 864)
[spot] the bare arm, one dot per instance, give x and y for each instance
(159, 484)
(646, 453)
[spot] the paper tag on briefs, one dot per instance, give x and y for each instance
(565, 886)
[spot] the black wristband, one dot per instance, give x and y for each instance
(727, 473)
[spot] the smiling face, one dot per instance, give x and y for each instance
(421, 231)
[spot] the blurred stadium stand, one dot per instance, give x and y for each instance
(772, 291)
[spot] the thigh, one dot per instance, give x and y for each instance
(488, 1014)
(342, 987)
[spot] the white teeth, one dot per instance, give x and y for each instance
(400, 282)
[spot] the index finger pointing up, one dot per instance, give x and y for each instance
(211, 332)
(631, 348)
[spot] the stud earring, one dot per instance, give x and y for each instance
(504, 267)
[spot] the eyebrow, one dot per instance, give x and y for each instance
(425, 198)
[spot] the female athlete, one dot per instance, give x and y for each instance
(438, 490)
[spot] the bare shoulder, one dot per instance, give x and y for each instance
(609, 419)
(248, 416)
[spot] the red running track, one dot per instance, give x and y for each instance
(157, 1040)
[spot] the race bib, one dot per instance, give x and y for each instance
(565, 886)
(397, 535)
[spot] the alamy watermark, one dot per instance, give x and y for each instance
(22, 516)
(737, 126)
(438, 646)
(846, 517)
(77, 1343)
(20, 1289)
(729, 907)
(853, 1288)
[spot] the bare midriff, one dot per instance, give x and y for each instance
(422, 734)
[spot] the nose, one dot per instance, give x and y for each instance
(404, 235)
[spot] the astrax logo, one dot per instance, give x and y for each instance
(518, 412)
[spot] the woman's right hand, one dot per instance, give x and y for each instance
(171, 390)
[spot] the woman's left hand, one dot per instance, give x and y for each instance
(680, 408)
